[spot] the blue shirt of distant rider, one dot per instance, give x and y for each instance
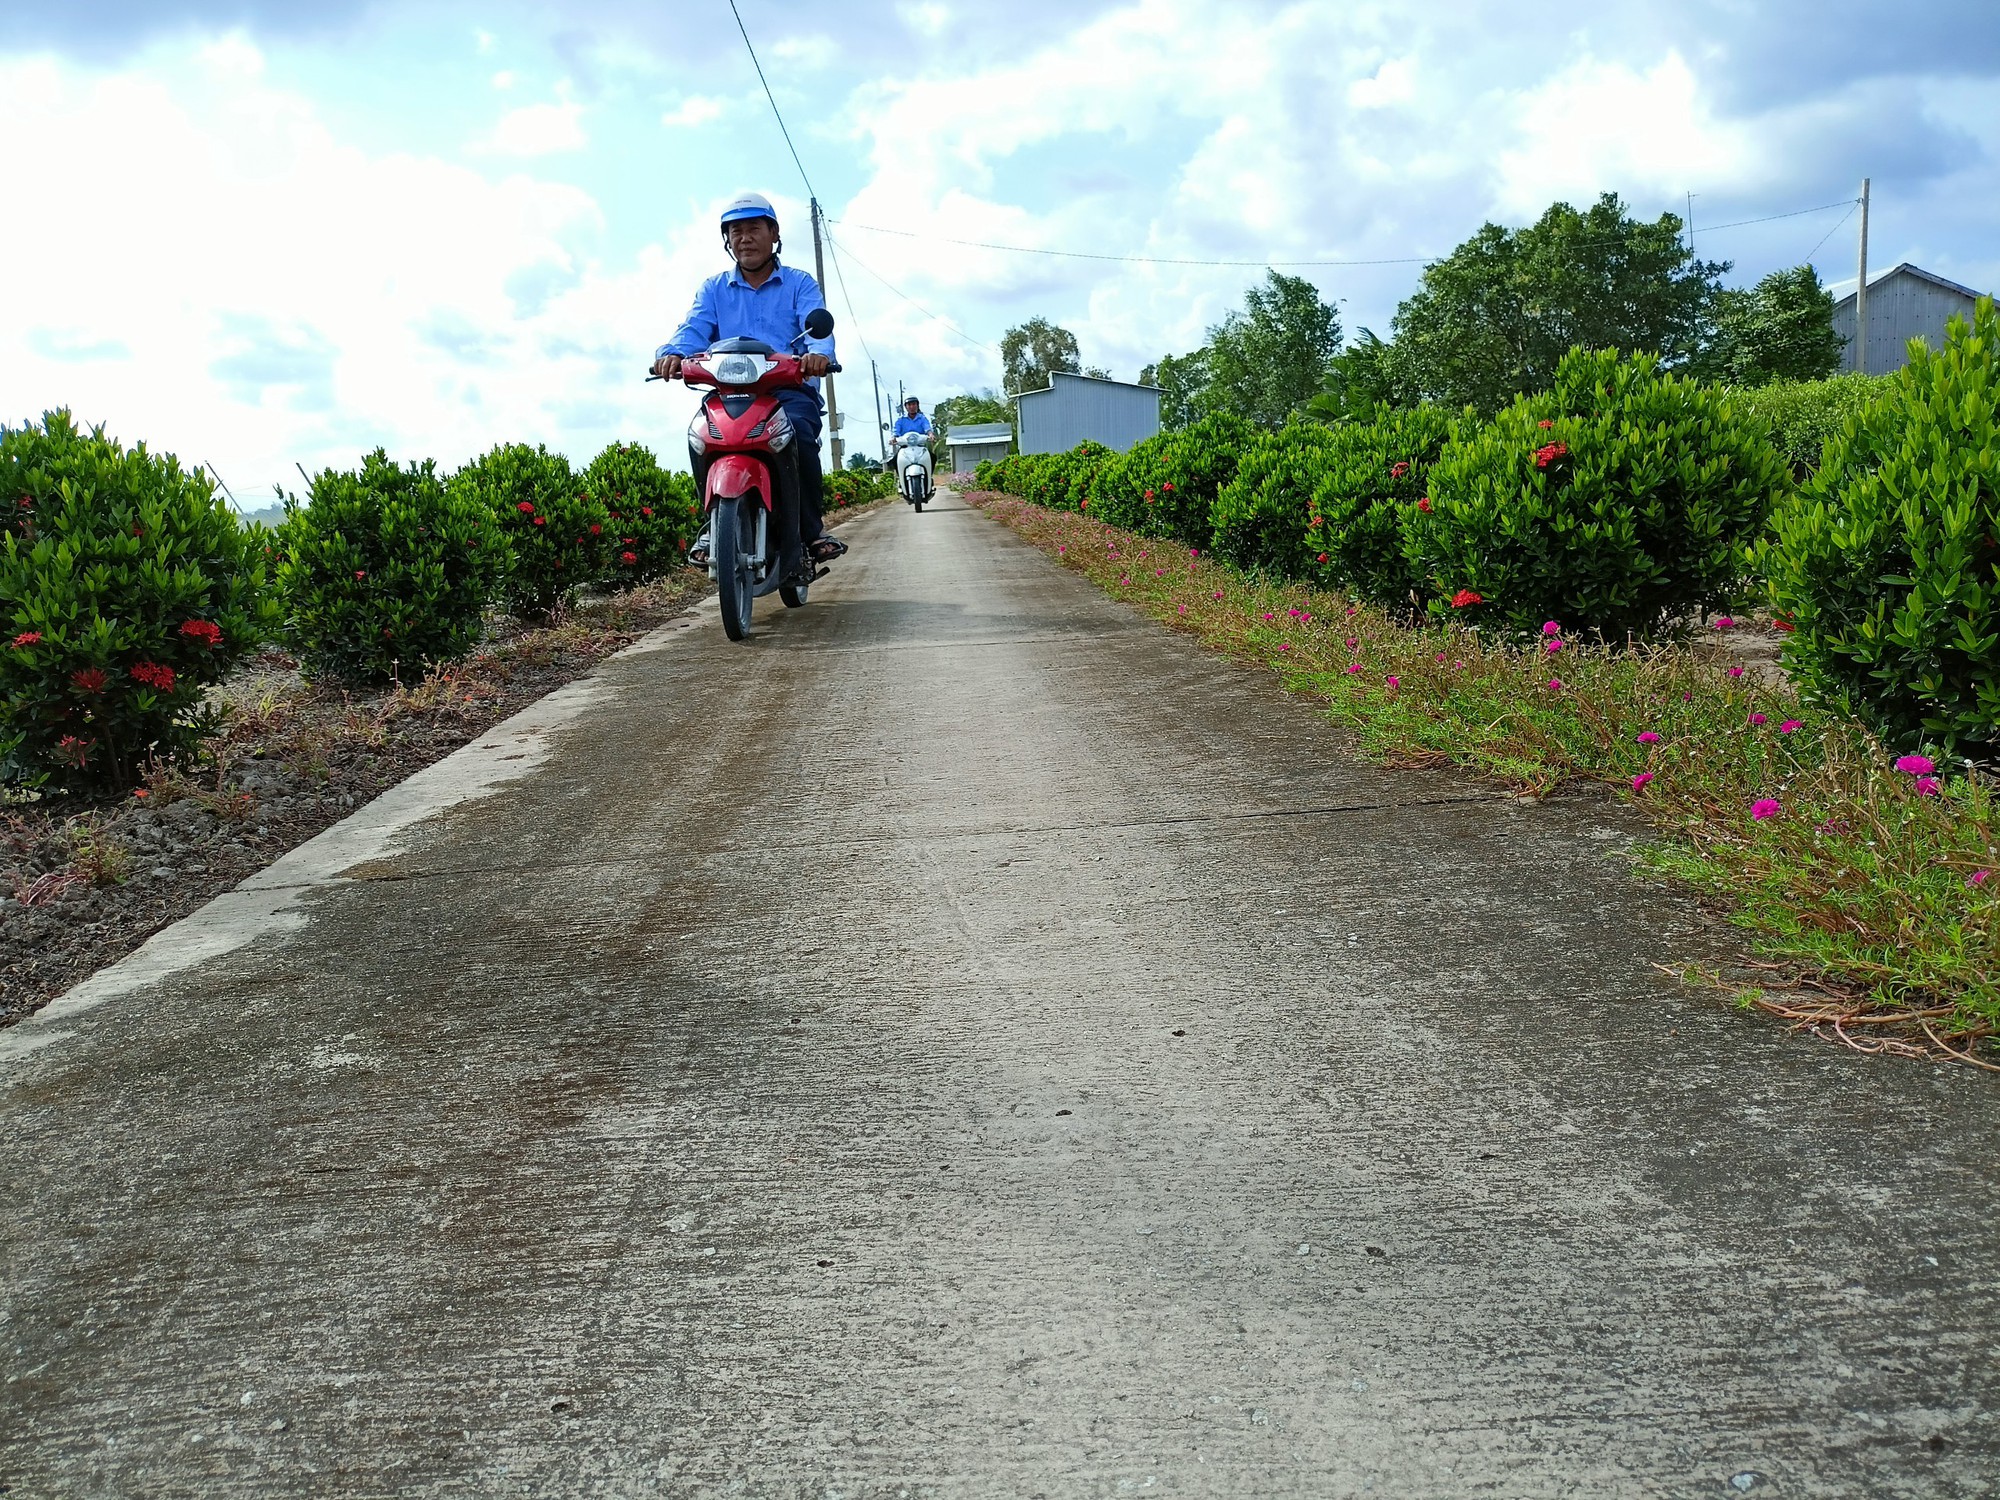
(912, 420)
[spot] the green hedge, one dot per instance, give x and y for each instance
(386, 569)
(1887, 563)
(1376, 473)
(127, 588)
(1263, 514)
(1804, 415)
(1622, 501)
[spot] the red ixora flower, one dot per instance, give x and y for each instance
(541, 520)
(1322, 557)
(154, 675)
(72, 751)
(26, 639)
(1149, 497)
(646, 511)
(628, 558)
(1466, 596)
(1549, 453)
(525, 508)
(89, 680)
(1546, 423)
(1168, 487)
(1779, 622)
(1424, 505)
(595, 529)
(1398, 470)
(206, 631)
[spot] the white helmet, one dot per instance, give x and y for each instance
(748, 206)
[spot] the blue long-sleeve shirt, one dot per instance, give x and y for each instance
(728, 307)
(918, 423)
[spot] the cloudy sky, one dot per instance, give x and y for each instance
(267, 232)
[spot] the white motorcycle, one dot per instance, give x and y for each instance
(913, 467)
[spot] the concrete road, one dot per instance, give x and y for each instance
(967, 1042)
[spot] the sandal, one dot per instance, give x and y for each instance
(697, 555)
(824, 549)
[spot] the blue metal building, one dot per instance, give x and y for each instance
(1079, 407)
(1905, 302)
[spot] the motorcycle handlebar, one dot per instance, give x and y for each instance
(833, 368)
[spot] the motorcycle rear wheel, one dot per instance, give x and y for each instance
(730, 549)
(794, 594)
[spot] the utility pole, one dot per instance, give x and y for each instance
(1861, 291)
(1690, 225)
(832, 407)
(881, 427)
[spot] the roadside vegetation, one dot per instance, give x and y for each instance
(1536, 595)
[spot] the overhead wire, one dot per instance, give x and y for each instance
(1397, 260)
(1836, 225)
(775, 111)
(934, 317)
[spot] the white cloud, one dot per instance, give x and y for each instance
(259, 292)
(503, 80)
(1392, 83)
(538, 130)
(808, 52)
(696, 109)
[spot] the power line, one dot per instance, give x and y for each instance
(913, 301)
(1836, 225)
(847, 301)
(774, 101)
(1399, 260)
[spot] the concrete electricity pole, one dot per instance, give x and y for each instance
(881, 427)
(1861, 291)
(832, 407)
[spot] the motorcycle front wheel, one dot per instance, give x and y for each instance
(794, 594)
(730, 548)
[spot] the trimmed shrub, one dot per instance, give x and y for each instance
(1166, 486)
(1804, 415)
(1377, 472)
(1887, 563)
(653, 512)
(852, 487)
(386, 569)
(1621, 500)
(560, 537)
(1262, 514)
(127, 588)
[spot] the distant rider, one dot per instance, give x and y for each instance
(763, 299)
(912, 419)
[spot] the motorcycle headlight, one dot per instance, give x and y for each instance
(738, 369)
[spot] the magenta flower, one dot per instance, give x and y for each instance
(1552, 645)
(1555, 684)
(1183, 609)
(1459, 665)
(1927, 786)
(1723, 622)
(1356, 667)
(1790, 725)
(1915, 765)
(1394, 682)
(1269, 618)
(1350, 611)
(1550, 627)
(1758, 719)
(1352, 642)
(1764, 807)
(1639, 781)
(1735, 671)
(1978, 878)
(1218, 593)
(1647, 737)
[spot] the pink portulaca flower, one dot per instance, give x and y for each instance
(1758, 719)
(1791, 726)
(1394, 682)
(1639, 781)
(1552, 645)
(1352, 669)
(1550, 627)
(1723, 622)
(1978, 878)
(1648, 737)
(1735, 671)
(1764, 807)
(1927, 786)
(1915, 765)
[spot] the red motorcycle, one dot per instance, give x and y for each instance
(750, 501)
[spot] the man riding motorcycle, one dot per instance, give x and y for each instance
(761, 298)
(912, 419)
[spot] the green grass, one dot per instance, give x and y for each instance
(1869, 898)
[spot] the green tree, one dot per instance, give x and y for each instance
(1492, 319)
(966, 409)
(1030, 352)
(1181, 378)
(1269, 360)
(1780, 329)
(1360, 380)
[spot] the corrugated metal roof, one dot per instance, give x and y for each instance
(979, 432)
(1906, 268)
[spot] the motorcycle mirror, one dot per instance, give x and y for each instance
(819, 323)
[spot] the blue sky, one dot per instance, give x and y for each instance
(267, 232)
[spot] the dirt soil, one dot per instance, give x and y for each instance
(82, 887)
